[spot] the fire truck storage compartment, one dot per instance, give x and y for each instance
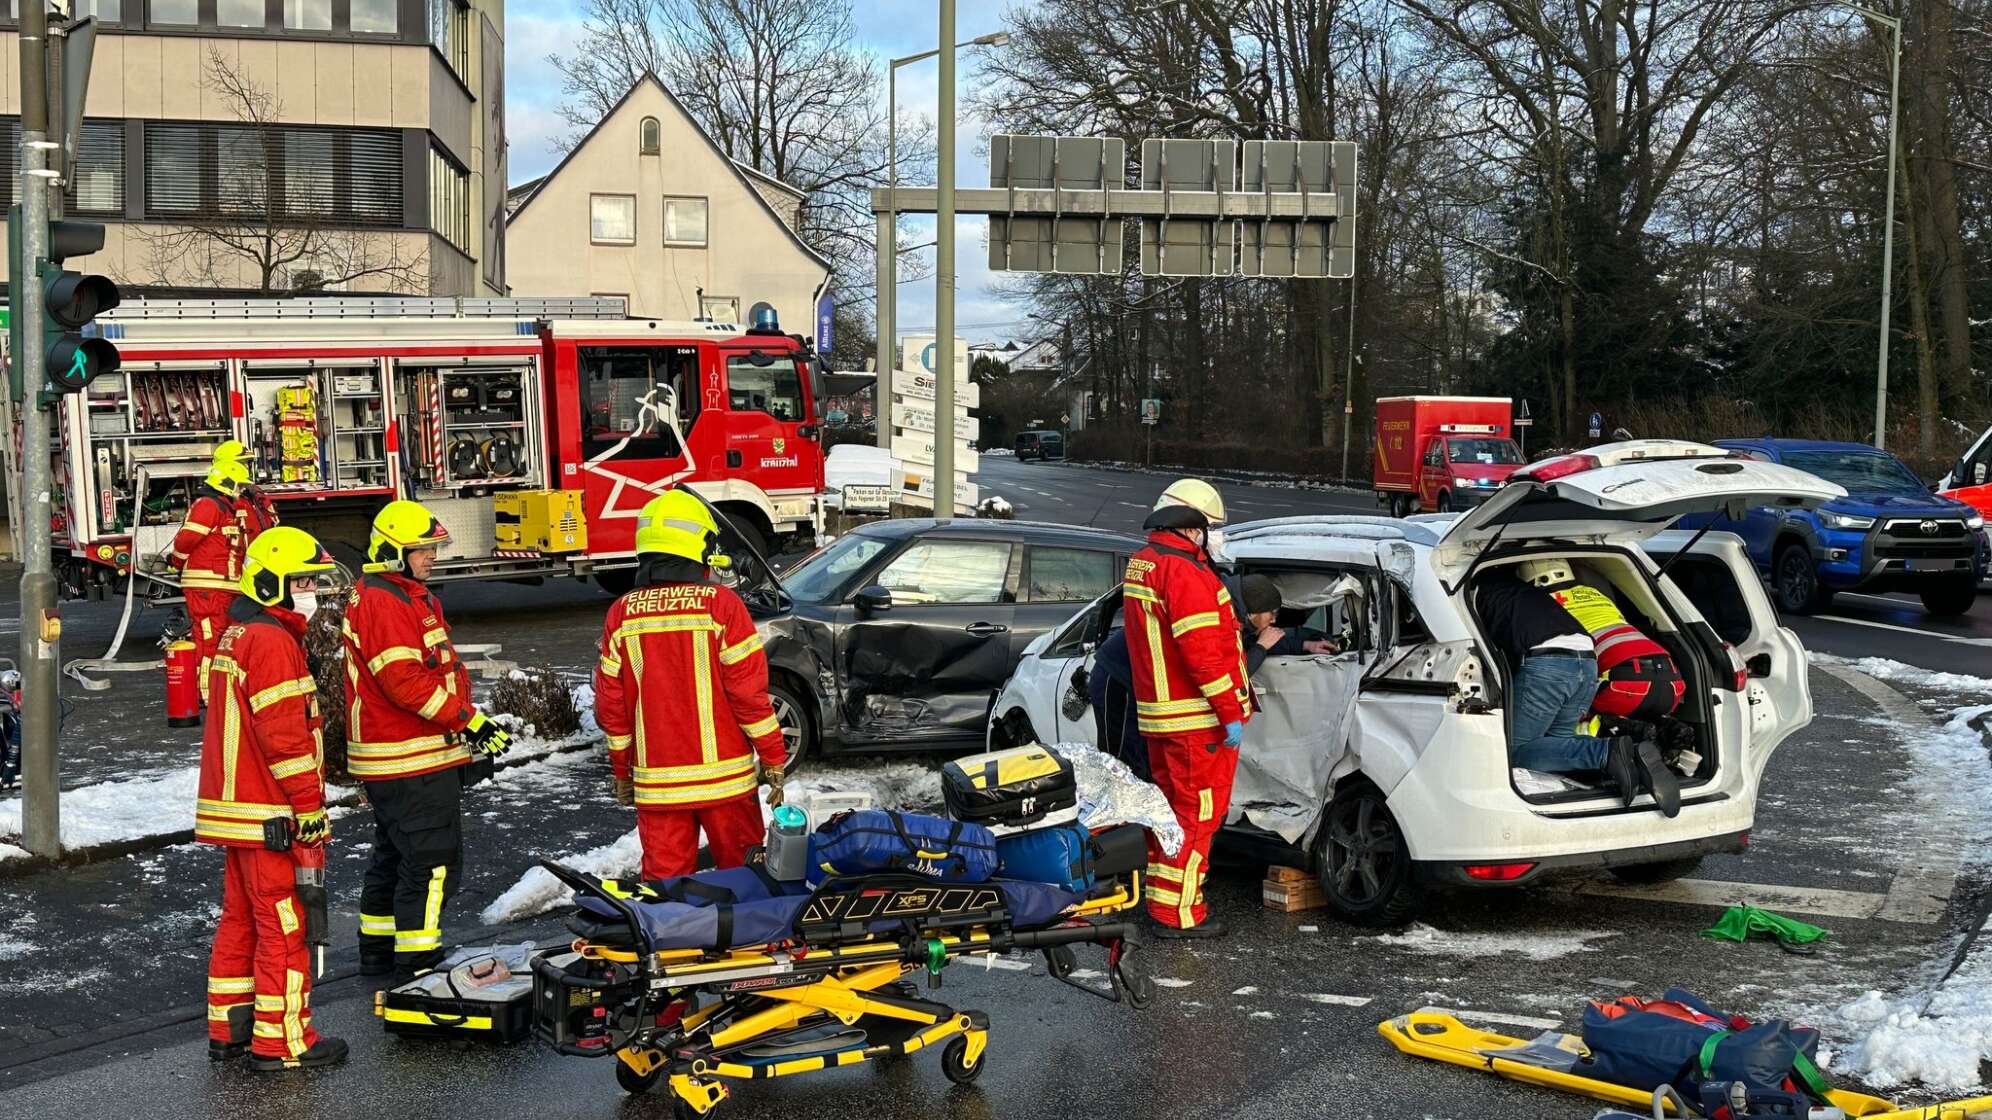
(479, 425)
(155, 424)
(316, 426)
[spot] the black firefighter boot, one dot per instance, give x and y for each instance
(327, 1051)
(1622, 767)
(1206, 930)
(1657, 779)
(241, 1027)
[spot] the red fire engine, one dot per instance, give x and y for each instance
(535, 429)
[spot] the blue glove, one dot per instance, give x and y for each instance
(1234, 734)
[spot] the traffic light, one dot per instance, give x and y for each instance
(70, 301)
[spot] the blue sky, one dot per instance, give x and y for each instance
(887, 29)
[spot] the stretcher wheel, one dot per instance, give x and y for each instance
(1132, 980)
(634, 1083)
(683, 1110)
(954, 1062)
(1060, 961)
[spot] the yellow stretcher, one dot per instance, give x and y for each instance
(837, 992)
(1442, 1038)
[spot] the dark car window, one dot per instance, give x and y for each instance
(948, 572)
(1499, 452)
(1861, 472)
(1435, 454)
(1069, 575)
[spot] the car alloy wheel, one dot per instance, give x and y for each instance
(794, 722)
(1364, 864)
(1798, 584)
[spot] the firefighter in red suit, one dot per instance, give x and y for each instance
(226, 516)
(263, 758)
(411, 732)
(681, 692)
(1190, 692)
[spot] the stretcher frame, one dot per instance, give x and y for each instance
(697, 1017)
(1443, 1038)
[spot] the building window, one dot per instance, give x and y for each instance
(107, 11)
(96, 186)
(239, 13)
(186, 12)
(612, 219)
(685, 222)
(308, 15)
(653, 136)
(345, 176)
(449, 200)
(449, 33)
(376, 16)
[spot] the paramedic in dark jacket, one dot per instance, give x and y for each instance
(1556, 675)
(1110, 688)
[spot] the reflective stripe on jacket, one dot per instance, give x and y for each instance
(263, 750)
(681, 692)
(1189, 668)
(407, 692)
(1617, 640)
(210, 545)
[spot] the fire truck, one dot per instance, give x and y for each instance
(535, 429)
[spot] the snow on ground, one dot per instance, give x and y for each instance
(1421, 938)
(1895, 672)
(1939, 1034)
(900, 785)
(9, 851)
(109, 812)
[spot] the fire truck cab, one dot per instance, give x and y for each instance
(534, 429)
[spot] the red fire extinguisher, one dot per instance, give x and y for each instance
(183, 684)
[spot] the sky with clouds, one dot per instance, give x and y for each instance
(535, 29)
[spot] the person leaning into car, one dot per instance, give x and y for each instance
(1555, 680)
(1260, 598)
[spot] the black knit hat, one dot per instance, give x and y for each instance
(1260, 595)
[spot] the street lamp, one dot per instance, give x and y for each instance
(887, 302)
(1894, 24)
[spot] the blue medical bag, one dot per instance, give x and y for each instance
(1070, 856)
(881, 840)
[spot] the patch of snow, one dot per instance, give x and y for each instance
(1264, 1015)
(1172, 982)
(109, 812)
(1247, 990)
(11, 947)
(996, 505)
(1896, 672)
(1310, 929)
(1422, 938)
(1335, 1000)
(537, 891)
(9, 851)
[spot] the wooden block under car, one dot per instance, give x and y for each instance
(1277, 874)
(1290, 897)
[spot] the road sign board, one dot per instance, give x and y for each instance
(1323, 175)
(1038, 242)
(918, 416)
(867, 498)
(916, 385)
(1184, 245)
(918, 447)
(1151, 411)
(921, 485)
(920, 352)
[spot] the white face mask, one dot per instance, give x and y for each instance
(1214, 544)
(305, 603)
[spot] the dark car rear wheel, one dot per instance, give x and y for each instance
(1362, 859)
(1797, 582)
(1949, 598)
(795, 713)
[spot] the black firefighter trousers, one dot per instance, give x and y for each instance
(417, 865)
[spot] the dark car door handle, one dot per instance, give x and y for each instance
(984, 629)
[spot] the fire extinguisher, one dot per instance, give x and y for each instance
(183, 684)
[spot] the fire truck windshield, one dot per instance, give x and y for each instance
(756, 384)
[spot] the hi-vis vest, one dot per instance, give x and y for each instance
(263, 751)
(1182, 644)
(210, 545)
(407, 692)
(1616, 639)
(681, 693)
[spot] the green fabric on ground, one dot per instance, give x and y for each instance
(1740, 923)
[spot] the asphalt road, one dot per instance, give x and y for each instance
(1855, 625)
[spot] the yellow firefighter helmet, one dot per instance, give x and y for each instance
(278, 556)
(399, 527)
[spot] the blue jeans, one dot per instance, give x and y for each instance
(1552, 696)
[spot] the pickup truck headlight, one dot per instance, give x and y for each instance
(1975, 521)
(1846, 521)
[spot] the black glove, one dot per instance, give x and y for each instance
(485, 734)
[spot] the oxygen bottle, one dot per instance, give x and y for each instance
(788, 844)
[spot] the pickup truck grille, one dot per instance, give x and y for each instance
(1904, 539)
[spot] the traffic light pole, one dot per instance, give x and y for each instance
(41, 820)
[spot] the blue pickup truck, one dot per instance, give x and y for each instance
(1890, 533)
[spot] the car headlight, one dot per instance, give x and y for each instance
(1846, 521)
(1975, 521)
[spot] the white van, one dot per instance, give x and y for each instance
(1386, 765)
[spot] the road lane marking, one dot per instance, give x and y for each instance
(1334, 1000)
(1503, 1017)
(1817, 901)
(1132, 505)
(1904, 630)
(1888, 599)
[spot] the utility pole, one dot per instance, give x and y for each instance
(1349, 381)
(944, 278)
(41, 628)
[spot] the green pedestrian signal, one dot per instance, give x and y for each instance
(71, 301)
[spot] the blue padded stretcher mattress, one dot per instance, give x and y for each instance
(740, 906)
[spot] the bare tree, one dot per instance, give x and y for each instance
(271, 224)
(779, 85)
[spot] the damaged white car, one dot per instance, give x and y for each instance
(1386, 765)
